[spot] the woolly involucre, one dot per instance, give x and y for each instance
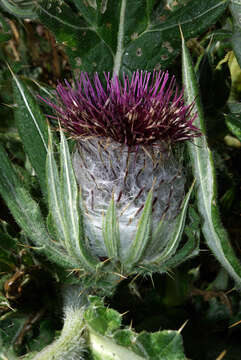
(107, 169)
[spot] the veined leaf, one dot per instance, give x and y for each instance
(163, 35)
(21, 8)
(108, 37)
(233, 122)
(27, 213)
(236, 44)
(32, 127)
(203, 168)
(235, 9)
(108, 341)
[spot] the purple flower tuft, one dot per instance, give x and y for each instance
(144, 110)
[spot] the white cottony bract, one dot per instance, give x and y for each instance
(107, 170)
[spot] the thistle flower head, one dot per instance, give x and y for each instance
(145, 109)
(124, 131)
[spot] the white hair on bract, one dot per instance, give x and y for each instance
(106, 169)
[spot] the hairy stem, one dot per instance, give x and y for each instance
(70, 344)
(120, 40)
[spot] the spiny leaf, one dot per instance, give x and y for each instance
(203, 168)
(27, 212)
(71, 208)
(109, 341)
(32, 127)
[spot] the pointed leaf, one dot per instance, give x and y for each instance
(71, 209)
(138, 246)
(177, 232)
(27, 213)
(110, 231)
(108, 340)
(32, 127)
(55, 197)
(203, 168)
(233, 122)
(189, 249)
(158, 239)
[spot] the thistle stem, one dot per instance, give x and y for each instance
(70, 344)
(120, 40)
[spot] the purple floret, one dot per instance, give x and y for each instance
(144, 110)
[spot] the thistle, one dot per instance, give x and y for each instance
(128, 133)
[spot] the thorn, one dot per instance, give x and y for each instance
(168, 271)
(106, 260)
(144, 268)
(229, 291)
(126, 312)
(221, 356)
(134, 279)
(182, 327)
(130, 327)
(11, 106)
(181, 33)
(152, 281)
(81, 293)
(235, 324)
(120, 275)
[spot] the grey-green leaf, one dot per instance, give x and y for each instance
(54, 197)
(27, 212)
(71, 209)
(32, 128)
(203, 168)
